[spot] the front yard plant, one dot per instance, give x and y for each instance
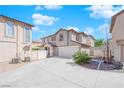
(81, 57)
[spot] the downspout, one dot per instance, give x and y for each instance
(17, 43)
(67, 38)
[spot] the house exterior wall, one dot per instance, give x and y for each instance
(64, 42)
(117, 35)
(12, 47)
(89, 41)
(84, 49)
(72, 36)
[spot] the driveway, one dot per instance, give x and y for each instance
(59, 72)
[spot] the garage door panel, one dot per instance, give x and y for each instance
(67, 51)
(7, 51)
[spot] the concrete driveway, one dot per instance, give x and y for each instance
(59, 72)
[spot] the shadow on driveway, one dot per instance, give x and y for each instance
(72, 64)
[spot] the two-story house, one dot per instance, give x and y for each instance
(15, 39)
(65, 43)
(37, 44)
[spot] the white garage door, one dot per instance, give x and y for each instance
(7, 51)
(67, 51)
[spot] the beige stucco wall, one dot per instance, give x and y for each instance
(90, 41)
(40, 54)
(21, 44)
(64, 42)
(118, 34)
(10, 46)
(98, 52)
(87, 50)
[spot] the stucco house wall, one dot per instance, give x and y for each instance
(118, 34)
(10, 47)
(64, 42)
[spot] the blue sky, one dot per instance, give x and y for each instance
(90, 19)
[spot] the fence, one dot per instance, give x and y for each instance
(39, 54)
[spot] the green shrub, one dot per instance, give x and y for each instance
(34, 49)
(81, 57)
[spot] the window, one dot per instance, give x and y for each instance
(53, 38)
(73, 37)
(83, 39)
(27, 34)
(9, 29)
(77, 38)
(61, 37)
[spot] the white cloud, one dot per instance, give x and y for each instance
(103, 11)
(75, 28)
(38, 7)
(104, 29)
(40, 19)
(53, 7)
(89, 31)
(37, 29)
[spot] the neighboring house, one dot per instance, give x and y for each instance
(117, 30)
(37, 44)
(38, 51)
(15, 39)
(65, 43)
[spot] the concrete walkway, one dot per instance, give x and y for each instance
(59, 72)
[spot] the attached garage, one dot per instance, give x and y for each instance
(67, 51)
(7, 51)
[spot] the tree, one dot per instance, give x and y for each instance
(99, 42)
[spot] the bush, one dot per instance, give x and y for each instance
(35, 49)
(81, 57)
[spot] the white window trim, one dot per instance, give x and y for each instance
(6, 28)
(73, 37)
(25, 40)
(61, 38)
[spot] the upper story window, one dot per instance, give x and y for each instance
(27, 35)
(83, 39)
(46, 40)
(9, 30)
(61, 37)
(77, 38)
(53, 38)
(73, 37)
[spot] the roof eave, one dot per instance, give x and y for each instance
(16, 20)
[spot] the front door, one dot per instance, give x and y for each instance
(122, 53)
